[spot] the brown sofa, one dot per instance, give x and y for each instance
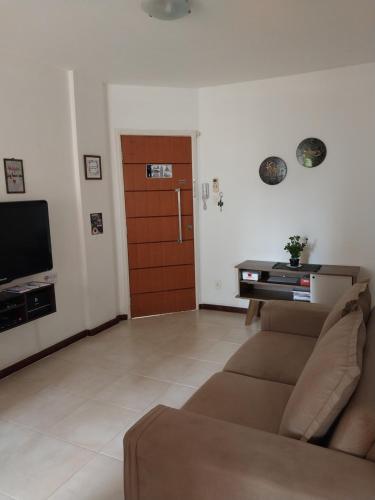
(224, 444)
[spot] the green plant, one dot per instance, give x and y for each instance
(295, 246)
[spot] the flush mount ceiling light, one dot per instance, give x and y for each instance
(167, 10)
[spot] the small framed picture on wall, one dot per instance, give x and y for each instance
(14, 177)
(93, 167)
(96, 223)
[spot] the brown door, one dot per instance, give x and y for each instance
(159, 220)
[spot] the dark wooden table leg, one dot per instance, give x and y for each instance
(252, 311)
(261, 304)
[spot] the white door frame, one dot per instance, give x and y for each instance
(123, 284)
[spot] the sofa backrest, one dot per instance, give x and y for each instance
(355, 430)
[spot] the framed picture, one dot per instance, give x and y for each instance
(93, 167)
(96, 223)
(14, 178)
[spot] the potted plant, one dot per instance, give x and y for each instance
(295, 247)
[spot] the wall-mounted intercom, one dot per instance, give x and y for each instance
(205, 194)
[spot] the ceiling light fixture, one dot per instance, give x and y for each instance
(167, 10)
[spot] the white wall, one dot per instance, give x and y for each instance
(142, 109)
(152, 108)
(90, 98)
(50, 118)
(35, 126)
(332, 204)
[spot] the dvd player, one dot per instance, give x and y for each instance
(284, 280)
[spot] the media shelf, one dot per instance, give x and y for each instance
(324, 284)
(19, 308)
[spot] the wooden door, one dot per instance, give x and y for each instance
(159, 220)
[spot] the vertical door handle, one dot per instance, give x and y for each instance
(178, 191)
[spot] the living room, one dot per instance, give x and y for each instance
(244, 83)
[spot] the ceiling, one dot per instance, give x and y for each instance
(222, 41)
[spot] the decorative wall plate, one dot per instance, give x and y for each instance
(273, 170)
(311, 152)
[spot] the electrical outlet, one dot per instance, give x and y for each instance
(218, 284)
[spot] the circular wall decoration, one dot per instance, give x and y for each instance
(273, 170)
(311, 152)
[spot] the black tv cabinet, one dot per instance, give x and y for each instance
(19, 308)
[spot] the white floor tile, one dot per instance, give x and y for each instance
(42, 409)
(133, 391)
(100, 479)
(63, 419)
(92, 425)
(33, 465)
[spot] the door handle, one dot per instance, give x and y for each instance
(178, 191)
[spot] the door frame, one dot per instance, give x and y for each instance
(123, 282)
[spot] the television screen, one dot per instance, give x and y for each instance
(25, 243)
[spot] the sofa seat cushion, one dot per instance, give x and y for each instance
(242, 400)
(278, 357)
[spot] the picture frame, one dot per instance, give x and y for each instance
(93, 167)
(96, 220)
(14, 176)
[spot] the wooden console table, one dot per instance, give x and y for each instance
(326, 284)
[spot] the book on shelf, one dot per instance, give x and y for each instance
(301, 296)
(251, 275)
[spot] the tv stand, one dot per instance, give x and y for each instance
(324, 285)
(19, 308)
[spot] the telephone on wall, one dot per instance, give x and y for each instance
(205, 194)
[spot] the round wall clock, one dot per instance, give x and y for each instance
(311, 152)
(273, 170)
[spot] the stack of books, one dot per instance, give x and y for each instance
(301, 296)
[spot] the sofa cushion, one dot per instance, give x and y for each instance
(300, 318)
(355, 430)
(358, 294)
(279, 357)
(328, 380)
(241, 400)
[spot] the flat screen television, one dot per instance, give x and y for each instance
(25, 242)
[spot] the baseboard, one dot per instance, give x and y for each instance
(214, 307)
(107, 324)
(60, 345)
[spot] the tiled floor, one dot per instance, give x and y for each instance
(62, 420)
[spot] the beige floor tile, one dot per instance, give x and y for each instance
(175, 396)
(168, 368)
(83, 380)
(239, 335)
(15, 390)
(100, 479)
(42, 409)
(115, 448)
(188, 345)
(92, 425)
(199, 372)
(133, 391)
(32, 465)
(87, 395)
(220, 352)
(40, 374)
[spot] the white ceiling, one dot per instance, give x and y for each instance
(222, 41)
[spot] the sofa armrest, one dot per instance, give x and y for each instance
(301, 318)
(177, 455)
